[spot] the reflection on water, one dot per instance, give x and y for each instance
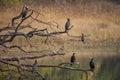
(107, 64)
(109, 69)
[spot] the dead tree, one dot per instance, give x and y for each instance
(13, 30)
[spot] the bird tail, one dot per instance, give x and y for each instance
(71, 63)
(92, 70)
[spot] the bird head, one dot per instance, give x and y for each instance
(74, 53)
(82, 34)
(91, 59)
(68, 19)
(26, 7)
(35, 61)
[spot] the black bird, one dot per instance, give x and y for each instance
(34, 67)
(1, 40)
(83, 38)
(92, 66)
(24, 12)
(72, 60)
(67, 24)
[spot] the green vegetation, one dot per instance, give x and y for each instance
(107, 68)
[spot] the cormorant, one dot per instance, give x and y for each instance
(83, 38)
(72, 60)
(92, 66)
(24, 12)
(34, 67)
(67, 24)
(1, 40)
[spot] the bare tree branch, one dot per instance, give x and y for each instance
(22, 21)
(53, 66)
(10, 32)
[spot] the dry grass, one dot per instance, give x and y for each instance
(98, 19)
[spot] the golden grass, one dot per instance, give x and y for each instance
(99, 19)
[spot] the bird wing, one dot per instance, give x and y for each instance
(67, 24)
(72, 58)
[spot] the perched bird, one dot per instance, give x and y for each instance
(24, 12)
(34, 67)
(83, 38)
(1, 40)
(72, 60)
(0, 68)
(67, 24)
(92, 66)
